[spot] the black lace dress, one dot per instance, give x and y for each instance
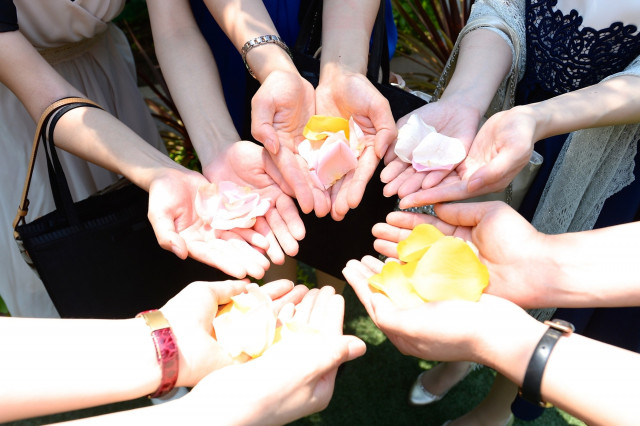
(563, 56)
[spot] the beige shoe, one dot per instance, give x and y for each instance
(421, 396)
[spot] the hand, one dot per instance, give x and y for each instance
(292, 379)
(452, 330)
(191, 313)
(279, 111)
(246, 163)
(346, 94)
(449, 118)
(499, 151)
(508, 244)
(179, 229)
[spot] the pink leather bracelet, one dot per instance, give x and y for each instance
(166, 350)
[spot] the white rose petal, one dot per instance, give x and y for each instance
(410, 135)
(438, 152)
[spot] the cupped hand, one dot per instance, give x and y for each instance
(279, 111)
(502, 147)
(190, 314)
(449, 118)
(452, 330)
(508, 245)
(180, 230)
(293, 378)
(346, 94)
(248, 164)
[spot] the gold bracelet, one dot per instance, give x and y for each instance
(259, 41)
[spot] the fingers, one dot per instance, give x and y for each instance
(274, 251)
(282, 232)
(262, 113)
(384, 136)
(468, 214)
(292, 297)
(395, 174)
(266, 134)
(254, 237)
(168, 238)
(278, 288)
(231, 255)
(439, 194)
(357, 275)
(413, 182)
(288, 165)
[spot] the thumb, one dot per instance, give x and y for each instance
(167, 237)
(262, 129)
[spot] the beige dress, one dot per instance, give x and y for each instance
(93, 55)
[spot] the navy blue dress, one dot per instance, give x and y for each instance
(284, 14)
(563, 57)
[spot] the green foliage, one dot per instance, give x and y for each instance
(427, 31)
(4, 311)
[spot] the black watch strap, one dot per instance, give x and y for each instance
(530, 389)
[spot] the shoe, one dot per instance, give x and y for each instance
(420, 396)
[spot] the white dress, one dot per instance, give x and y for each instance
(94, 56)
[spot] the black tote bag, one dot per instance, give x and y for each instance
(99, 257)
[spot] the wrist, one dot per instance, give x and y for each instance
(261, 57)
(466, 101)
(540, 116)
(166, 347)
(508, 346)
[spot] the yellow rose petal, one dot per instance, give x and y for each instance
(450, 270)
(320, 126)
(418, 242)
(394, 282)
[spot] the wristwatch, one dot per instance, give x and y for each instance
(530, 389)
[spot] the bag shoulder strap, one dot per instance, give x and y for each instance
(23, 208)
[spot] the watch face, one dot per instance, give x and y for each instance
(561, 325)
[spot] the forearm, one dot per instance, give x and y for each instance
(576, 373)
(243, 20)
(100, 138)
(615, 101)
(346, 31)
(595, 268)
(483, 62)
(190, 71)
(50, 366)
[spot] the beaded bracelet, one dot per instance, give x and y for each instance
(166, 350)
(259, 41)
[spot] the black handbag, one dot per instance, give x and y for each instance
(99, 257)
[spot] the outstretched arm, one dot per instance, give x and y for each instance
(527, 267)
(497, 333)
(53, 365)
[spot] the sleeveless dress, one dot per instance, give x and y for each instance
(563, 56)
(92, 54)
